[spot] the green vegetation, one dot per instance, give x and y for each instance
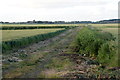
(96, 43)
(113, 29)
(17, 43)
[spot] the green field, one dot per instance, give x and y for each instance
(17, 34)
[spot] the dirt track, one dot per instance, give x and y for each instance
(54, 47)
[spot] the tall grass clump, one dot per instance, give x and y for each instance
(92, 42)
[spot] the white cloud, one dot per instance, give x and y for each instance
(23, 10)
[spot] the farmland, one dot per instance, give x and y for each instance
(85, 50)
(17, 34)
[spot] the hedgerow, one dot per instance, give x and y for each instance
(94, 43)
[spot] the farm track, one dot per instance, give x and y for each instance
(59, 45)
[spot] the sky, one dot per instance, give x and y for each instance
(58, 10)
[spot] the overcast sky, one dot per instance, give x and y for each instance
(58, 10)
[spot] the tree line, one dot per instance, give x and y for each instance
(64, 22)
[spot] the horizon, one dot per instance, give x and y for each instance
(54, 21)
(58, 10)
